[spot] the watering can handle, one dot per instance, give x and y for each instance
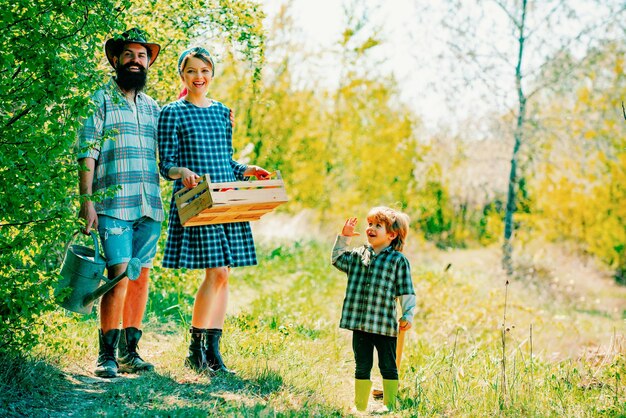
(97, 257)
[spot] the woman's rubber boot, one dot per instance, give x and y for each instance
(390, 393)
(128, 358)
(362, 389)
(196, 360)
(212, 351)
(107, 365)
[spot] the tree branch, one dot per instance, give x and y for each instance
(15, 118)
(37, 221)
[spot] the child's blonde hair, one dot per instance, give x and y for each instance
(394, 221)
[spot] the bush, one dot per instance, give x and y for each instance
(51, 51)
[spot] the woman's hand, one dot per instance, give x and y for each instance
(348, 228)
(404, 325)
(189, 178)
(258, 172)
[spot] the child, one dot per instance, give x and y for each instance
(195, 137)
(378, 273)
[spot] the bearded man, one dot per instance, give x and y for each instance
(120, 195)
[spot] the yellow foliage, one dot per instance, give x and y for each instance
(578, 185)
(584, 95)
(590, 134)
(619, 65)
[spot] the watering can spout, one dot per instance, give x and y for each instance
(81, 274)
(132, 272)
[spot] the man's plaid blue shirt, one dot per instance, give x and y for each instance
(127, 157)
(374, 283)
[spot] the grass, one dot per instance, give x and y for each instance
(282, 335)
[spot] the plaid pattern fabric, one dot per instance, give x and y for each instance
(201, 140)
(374, 283)
(127, 157)
(207, 246)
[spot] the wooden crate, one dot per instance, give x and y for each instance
(237, 201)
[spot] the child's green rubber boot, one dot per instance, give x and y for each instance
(390, 393)
(362, 389)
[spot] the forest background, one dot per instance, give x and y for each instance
(537, 160)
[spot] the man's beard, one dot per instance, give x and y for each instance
(130, 80)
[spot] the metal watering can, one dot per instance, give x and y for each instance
(82, 271)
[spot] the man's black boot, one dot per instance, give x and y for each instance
(128, 358)
(107, 366)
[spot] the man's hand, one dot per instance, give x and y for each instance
(348, 228)
(404, 325)
(88, 213)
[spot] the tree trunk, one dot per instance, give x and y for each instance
(507, 247)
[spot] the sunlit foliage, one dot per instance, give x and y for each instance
(580, 184)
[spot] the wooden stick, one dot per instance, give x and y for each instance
(399, 348)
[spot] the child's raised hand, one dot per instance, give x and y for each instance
(348, 228)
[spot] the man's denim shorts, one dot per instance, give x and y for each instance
(123, 240)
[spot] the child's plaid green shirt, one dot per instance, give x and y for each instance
(374, 283)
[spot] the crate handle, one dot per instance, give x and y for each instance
(207, 178)
(184, 190)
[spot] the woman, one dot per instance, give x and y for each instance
(195, 138)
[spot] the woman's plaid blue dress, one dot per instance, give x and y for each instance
(200, 138)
